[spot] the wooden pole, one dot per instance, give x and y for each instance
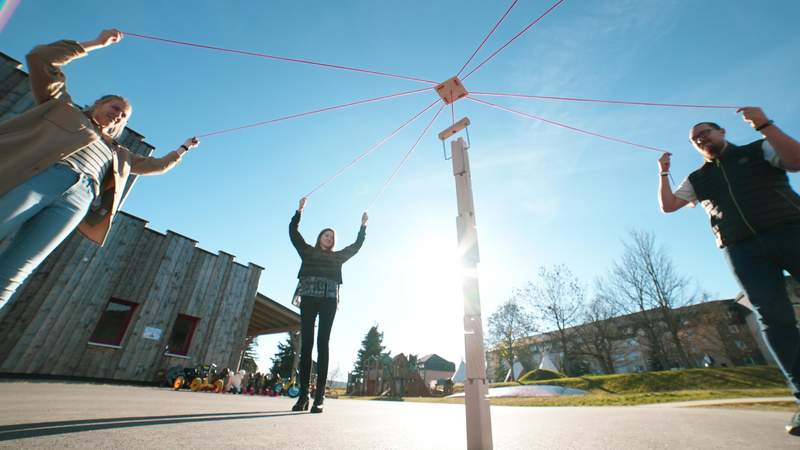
(479, 422)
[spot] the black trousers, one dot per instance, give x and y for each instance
(310, 308)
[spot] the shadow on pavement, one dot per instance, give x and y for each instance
(28, 430)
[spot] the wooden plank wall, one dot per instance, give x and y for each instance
(47, 329)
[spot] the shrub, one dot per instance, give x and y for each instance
(541, 375)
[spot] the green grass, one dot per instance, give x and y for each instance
(644, 388)
(602, 399)
(751, 377)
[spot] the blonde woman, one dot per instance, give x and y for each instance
(60, 166)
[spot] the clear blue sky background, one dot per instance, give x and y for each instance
(543, 195)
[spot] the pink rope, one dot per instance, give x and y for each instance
(372, 149)
(281, 58)
(593, 100)
(317, 111)
(487, 37)
(554, 6)
(405, 158)
(559, 124)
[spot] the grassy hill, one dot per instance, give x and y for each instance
(751, 377)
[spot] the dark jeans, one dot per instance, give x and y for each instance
(758, 263)
(310, 308)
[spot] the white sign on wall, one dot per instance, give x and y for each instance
(152, 333)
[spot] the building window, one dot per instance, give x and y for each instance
(733, 328)
(740, 345)
(182, 333)
(113, 323)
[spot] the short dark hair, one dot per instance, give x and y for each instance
(711, 124)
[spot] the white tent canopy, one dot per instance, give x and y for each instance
(461, 374)
(517, 371)
(547, 363)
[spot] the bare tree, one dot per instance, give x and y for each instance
(644, 281)
(332, 377)
(599, 332)
(508, 325)
(557, 300)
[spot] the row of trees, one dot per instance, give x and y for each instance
(642, 283)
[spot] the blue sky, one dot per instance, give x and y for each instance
(543, 195)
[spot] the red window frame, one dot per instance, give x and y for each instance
(183, 350)
(117, 340)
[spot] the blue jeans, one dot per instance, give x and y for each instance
(43, 210)
(758, 264)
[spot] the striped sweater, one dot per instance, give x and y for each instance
(320, 263)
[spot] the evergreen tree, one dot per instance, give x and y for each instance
(370, 346)
(282, 361)
(249, 357)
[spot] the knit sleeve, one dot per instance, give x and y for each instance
(294, 235)
(44, 68)
(350, 251)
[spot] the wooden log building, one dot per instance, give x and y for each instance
(144, 302)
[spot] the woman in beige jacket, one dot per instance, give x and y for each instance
(60, 166)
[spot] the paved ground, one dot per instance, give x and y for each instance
(72, 415)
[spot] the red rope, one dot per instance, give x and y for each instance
(559, 124)
(373, 148)
(487, 37)
(317, 111)
(405, 158)
(280, 58)
(593, 100)
(554, 6)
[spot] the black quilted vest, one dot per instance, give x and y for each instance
(744, 194)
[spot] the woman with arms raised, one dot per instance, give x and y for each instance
(318, 295)
(61, 167)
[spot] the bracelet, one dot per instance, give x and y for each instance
(764, 125)
(184, 147)
(664, 174)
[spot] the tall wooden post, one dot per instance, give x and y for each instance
(479, 421)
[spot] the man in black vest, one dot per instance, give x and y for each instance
(755, 217)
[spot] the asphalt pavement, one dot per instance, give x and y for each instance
(79, 415)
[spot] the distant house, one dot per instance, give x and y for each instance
(433, 367)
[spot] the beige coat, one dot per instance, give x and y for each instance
(55, 128)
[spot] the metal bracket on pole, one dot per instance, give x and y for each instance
(451, 130)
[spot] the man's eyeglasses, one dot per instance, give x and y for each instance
(701, 134)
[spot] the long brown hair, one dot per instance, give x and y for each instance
(319, 237)
(115, 131)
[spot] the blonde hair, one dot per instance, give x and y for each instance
(115, 131)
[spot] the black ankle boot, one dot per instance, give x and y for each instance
(316, 408)
(302, 403)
